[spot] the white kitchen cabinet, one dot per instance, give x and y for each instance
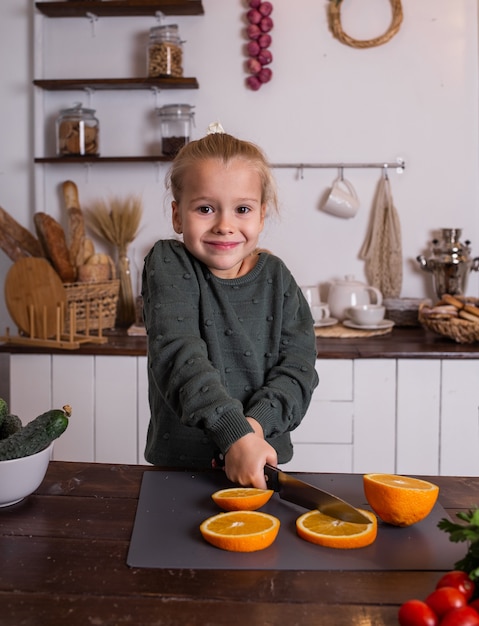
(108, 395)
(116, 418)
(374, 415)
(459, 427)
(405, 416)
(73, 382)
(418, 410)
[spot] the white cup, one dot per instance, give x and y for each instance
(342, 200)
(319, 310)
(366, 314)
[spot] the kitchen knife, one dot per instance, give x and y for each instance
(310, 497)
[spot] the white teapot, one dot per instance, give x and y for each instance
(349, 292)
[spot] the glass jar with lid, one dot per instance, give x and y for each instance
(78, 132)
(175, 126)
(165, 52)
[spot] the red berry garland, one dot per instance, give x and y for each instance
(260, 23)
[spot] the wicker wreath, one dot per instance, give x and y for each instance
(335, 25)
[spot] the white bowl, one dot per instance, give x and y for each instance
(20, 477)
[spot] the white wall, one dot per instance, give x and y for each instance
(414, 97)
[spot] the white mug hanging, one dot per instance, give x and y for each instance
(342, 200)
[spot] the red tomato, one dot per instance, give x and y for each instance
(475, 604)
(416, 613)
(464, 616)
(459, 580)
(445, 599)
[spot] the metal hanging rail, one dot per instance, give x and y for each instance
(399, 165)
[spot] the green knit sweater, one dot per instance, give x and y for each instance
(220, 350)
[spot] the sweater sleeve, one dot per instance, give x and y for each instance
(178, 357)
(282, 401)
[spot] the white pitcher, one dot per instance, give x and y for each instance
(349, 292)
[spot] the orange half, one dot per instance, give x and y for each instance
(400, 500)
(324, 530)
(242, 498)
(241, 531)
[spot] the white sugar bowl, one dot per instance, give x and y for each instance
(348, 292)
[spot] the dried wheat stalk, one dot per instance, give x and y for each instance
(117, 221)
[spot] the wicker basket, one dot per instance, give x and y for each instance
(91, 301)
(456, 328)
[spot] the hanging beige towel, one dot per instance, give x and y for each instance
(382, 247)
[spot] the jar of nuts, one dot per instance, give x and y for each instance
(78, 132)
(175, 122)
(165, 52)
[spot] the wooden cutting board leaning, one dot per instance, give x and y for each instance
(34, 296)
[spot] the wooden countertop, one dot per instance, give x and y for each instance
(401, 343)
(64, 553)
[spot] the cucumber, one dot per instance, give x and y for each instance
(3, 410)
(36, 435)
(10, 425)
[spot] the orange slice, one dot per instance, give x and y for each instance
(241, 531)
(399, 500)
(242, 498)
(324, 530)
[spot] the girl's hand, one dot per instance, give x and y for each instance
(245, 461)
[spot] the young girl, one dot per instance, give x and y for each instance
(231, 344)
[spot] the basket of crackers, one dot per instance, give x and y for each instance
(456, 317)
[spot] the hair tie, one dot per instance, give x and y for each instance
(215, 127)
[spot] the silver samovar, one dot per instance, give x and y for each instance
(450, 263)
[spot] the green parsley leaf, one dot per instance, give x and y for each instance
(468, 531)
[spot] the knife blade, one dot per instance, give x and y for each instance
(311, 497)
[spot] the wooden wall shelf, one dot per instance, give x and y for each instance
(89, 160)
(68, 84)
(112, 8)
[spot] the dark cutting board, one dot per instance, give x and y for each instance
(173, 504)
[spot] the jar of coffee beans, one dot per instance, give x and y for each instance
(78, 132)
(165, 52)
(175, 122)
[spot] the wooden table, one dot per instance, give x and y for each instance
(63, 557)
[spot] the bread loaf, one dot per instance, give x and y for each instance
(52, 238)
(15, 240)
(88, 249)
(76, 224)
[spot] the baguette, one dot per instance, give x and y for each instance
(88, 249)
(76, 224)
(53, 241)
(15, 240)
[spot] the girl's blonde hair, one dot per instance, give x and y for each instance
(223, 147)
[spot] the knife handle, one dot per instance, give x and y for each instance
(272, 477)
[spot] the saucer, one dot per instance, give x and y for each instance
(382, 325)
(329, 321)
